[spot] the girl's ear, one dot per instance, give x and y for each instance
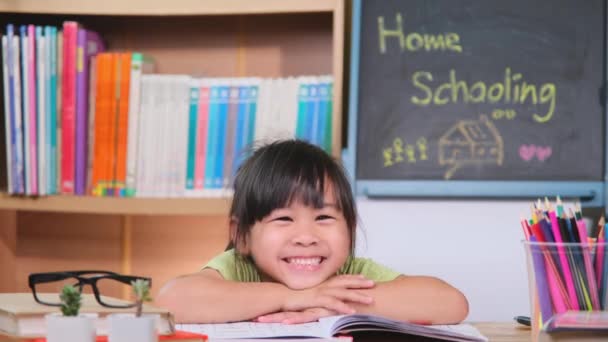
(238, 241)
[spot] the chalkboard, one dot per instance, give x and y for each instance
(478, 90)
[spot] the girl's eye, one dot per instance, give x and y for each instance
(324, 217)
(283, 218)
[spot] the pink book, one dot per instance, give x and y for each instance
(88, 44)
(31, 63)
(201, 137)
(68, 107)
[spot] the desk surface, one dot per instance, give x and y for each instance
(504, 331)
(499, 332)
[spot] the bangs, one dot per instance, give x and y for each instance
(287, 183)
(281, 173)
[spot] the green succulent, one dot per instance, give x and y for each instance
(141, 289)
(71, 300)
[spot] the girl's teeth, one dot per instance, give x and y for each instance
(304, 261)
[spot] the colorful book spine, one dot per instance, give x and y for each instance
(192, 131)
(68, 111)
(104, 110)
(33, 108)
(328, 137)
(220, 151)
(139, 65)
(213, 135)
(19, 185)
(201, 136)
(313, 114)
(323, 112)
(302, 130)
(253, 99)
(122, 122)
(7, 115)
(240, 135)
(42, 111)
(88, 44)
(229, 142)
(25, 110)
(52, 108)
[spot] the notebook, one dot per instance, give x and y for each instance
(328, 327)
(21, 316)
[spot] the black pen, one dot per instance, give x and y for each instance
(525, 320)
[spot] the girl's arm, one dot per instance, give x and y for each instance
(417, 299)
(206, 297)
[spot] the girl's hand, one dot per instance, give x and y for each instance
(295, 317)
(333, 295)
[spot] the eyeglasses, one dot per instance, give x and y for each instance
(80, 279)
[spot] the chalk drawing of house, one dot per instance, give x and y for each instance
(470, 142)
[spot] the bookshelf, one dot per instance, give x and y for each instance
(122, 206)
(216, 38)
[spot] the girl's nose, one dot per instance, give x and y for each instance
(305, 237)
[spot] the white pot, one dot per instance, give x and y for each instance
(128, 328)
(61, 328)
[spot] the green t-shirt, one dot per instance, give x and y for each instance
(236, 268)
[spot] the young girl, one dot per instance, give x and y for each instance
(290, 257)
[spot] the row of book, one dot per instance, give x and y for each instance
(83, 121)
(45, 81)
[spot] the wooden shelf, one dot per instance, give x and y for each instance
(126, 206)
(166, 8)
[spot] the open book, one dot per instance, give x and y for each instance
(334, 325)
(21, 316)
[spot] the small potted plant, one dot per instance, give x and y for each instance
(134, 327)
(70, 326)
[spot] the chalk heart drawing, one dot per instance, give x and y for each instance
(528, 152)
(543, 152)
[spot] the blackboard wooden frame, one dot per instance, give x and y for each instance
(591, 193)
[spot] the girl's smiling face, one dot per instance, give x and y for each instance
(300, 246)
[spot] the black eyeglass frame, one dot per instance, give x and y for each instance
(49, 277)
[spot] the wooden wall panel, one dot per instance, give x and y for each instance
(162, 247)
(59, 242)
(8, 250)
(168, 246)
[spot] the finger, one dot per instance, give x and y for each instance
(273, 317)
(349, 295)
(303, 317)
(351, 282)
(334, 304)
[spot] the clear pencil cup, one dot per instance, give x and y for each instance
(564, 279)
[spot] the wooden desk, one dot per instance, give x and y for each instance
(504, 331)
(499, 332)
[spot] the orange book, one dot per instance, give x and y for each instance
(122, 123)
(104, 112)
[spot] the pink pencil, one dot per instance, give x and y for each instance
(599, 265)
(562, 259)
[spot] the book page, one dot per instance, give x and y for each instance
(352, 323)
(255, 330)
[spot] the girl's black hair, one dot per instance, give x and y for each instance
(283, 171)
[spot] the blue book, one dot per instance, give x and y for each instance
(212, 135)
(253, 108)
(302, 118)
(218, 179)
(240, 138)
(323, 104)
(312, 108)
(327, 138)
(192, 128)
